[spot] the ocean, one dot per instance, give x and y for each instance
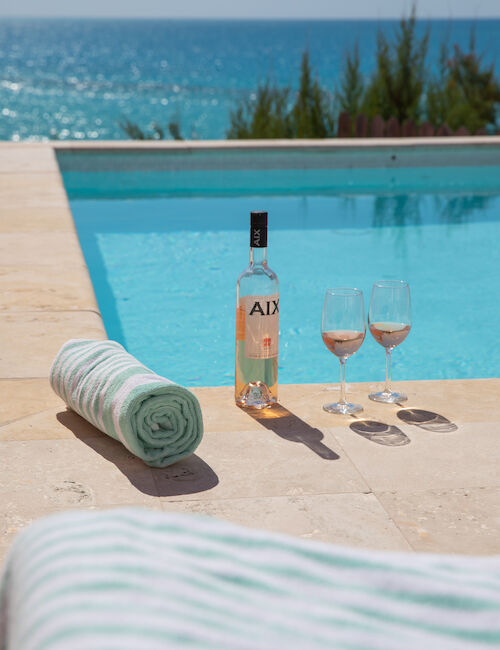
(78, 78)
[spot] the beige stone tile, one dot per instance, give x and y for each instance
(262, 463)
(20, 398)
(347, 519)
(473, 400)
(45, 288)
(476, 400)
(16, 218)
(44, 475)
(467, 457)
(30, 340)
(220, 413)
(25, 158)
(60, 250)
(297, 403)
(32, 190)
(463, 520)
(52, 424)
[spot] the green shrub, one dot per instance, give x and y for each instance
(464, 92)
(311, 114)
(265, 116)
(397, 87)
(269, 114)
(351, 92)
(135, 132)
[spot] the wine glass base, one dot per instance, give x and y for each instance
(342, 408)
(388, 397)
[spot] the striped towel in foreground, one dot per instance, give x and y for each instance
(132, 579)
(154, 418)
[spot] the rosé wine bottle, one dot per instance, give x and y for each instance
(257, 324)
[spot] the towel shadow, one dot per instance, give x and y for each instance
(381, 433)
(426, 420)
(290, 427)
(188, 476)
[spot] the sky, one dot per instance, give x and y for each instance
(251, 8)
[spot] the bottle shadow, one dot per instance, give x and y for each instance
(288, 426)
(427, 420)
(187, 476)
(380, 433)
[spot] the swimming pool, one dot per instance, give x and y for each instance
(165, 245)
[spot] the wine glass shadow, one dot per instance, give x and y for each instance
(290, 427)
(427, 420)
(380, 433)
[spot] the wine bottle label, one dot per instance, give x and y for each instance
(257, 317)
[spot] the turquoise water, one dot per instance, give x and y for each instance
(78, 78)
(164, 270)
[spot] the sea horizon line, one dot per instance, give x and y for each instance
(250, 18)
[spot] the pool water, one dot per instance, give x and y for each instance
(164, 270)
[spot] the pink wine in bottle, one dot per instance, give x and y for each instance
(257, 324)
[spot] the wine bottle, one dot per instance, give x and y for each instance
(257, 324)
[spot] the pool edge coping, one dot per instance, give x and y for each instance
(330, 144)
(39, 408)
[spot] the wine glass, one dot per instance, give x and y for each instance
(389, 319)
(343, 330)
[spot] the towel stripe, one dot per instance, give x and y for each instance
(133, 578)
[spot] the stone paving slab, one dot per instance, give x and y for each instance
(268, 477)
(30, 340)
(438, 403)
(441, 401)
(52, 474)
(32, 190)
(21, 398)
(348, 519)
(463, 520)
(54, 423)
(26, 158)
(467, 457)
(44, 288)
(21, 219)
(259, 463)
(55, 249)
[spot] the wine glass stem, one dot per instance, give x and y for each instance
(342, 381)
(387, 388)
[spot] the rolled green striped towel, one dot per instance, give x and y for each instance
(143, 580)
(155, 419)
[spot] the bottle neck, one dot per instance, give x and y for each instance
(258, 256)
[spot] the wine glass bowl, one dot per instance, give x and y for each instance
(389, 321)
(343, 331)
